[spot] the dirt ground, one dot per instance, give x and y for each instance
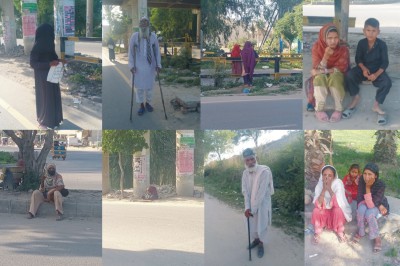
(330, 252)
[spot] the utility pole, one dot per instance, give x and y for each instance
(89, 18)
(141, 169)
(185, 162)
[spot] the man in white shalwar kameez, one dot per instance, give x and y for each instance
(144, 60)
(257, 188)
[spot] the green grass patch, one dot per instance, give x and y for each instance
(392, 252)
(356, 146)
(6, 158)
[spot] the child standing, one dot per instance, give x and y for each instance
(350, 182)
(372, 61)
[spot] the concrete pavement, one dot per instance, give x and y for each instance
(158, 233)
(43, 241)
(79, 203)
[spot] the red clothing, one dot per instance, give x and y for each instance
(351, 188)
(332, 219)
(340, 57)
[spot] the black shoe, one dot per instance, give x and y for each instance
(149, 107)
(260, 252)
(254, 244)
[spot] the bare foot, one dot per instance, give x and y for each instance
(378, 110)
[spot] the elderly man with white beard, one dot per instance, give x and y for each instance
(144, 60)
(257, 188)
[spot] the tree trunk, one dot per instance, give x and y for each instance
(25, 142)
(106, 173)
(9, 26)
(314, 157)
(121, 180)
(385, 147)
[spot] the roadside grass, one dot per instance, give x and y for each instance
(356, 146)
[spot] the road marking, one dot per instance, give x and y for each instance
(123, 76)
(230, 100)
(17, 115)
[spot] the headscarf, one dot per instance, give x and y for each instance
(236, 51)
(46, 168)
(44, 42)
(51, 181)
(340, 57)
(377, 188)
(248, 58)
(337, 188)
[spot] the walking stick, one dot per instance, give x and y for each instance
(159, 82)
(248, 233)
(133, 79)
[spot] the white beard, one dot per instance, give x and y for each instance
(144, 33)
(252, 169)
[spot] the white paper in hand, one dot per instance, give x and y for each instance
(55, 73)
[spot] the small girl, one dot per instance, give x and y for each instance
(350, 182)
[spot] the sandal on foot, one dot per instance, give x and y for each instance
(321, 116)
(335, 117)
(348, 112)
(30, 216)
(59, 217)
(315, 239)
(149, 108)
(310, 107)
(377, 245)
(342, 238)
(381, 120)
(356, 239)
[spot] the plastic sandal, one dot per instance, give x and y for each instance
(322, 116)
(381, 120)
(336, 116)
(342, 238)
(377, 245)
(348, 112)
(356, 239)
(310, 107)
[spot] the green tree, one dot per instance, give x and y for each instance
(33, 164)
(172, 23)
(124, 143)
(385, 148)
(289, 27)
(247, 134)
(219, 142)
(162, 157)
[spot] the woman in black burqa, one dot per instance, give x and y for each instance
(48, 95)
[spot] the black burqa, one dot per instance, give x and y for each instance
(48, 95)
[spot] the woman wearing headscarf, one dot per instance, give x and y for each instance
(371, 203)
(49, 191)
(48, 96)
(249, 63)
(331, 207)
(236, 65)
(330, 60)
(111, 47)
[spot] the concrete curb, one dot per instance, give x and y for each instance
(79, 203)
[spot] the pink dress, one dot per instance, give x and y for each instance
(332, 219)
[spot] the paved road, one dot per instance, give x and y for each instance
(117, 94)
(43, 241)
(388, 15)
(167, 232)
(18, 109)
(239, 112)
(226, 240)
(81, 170)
